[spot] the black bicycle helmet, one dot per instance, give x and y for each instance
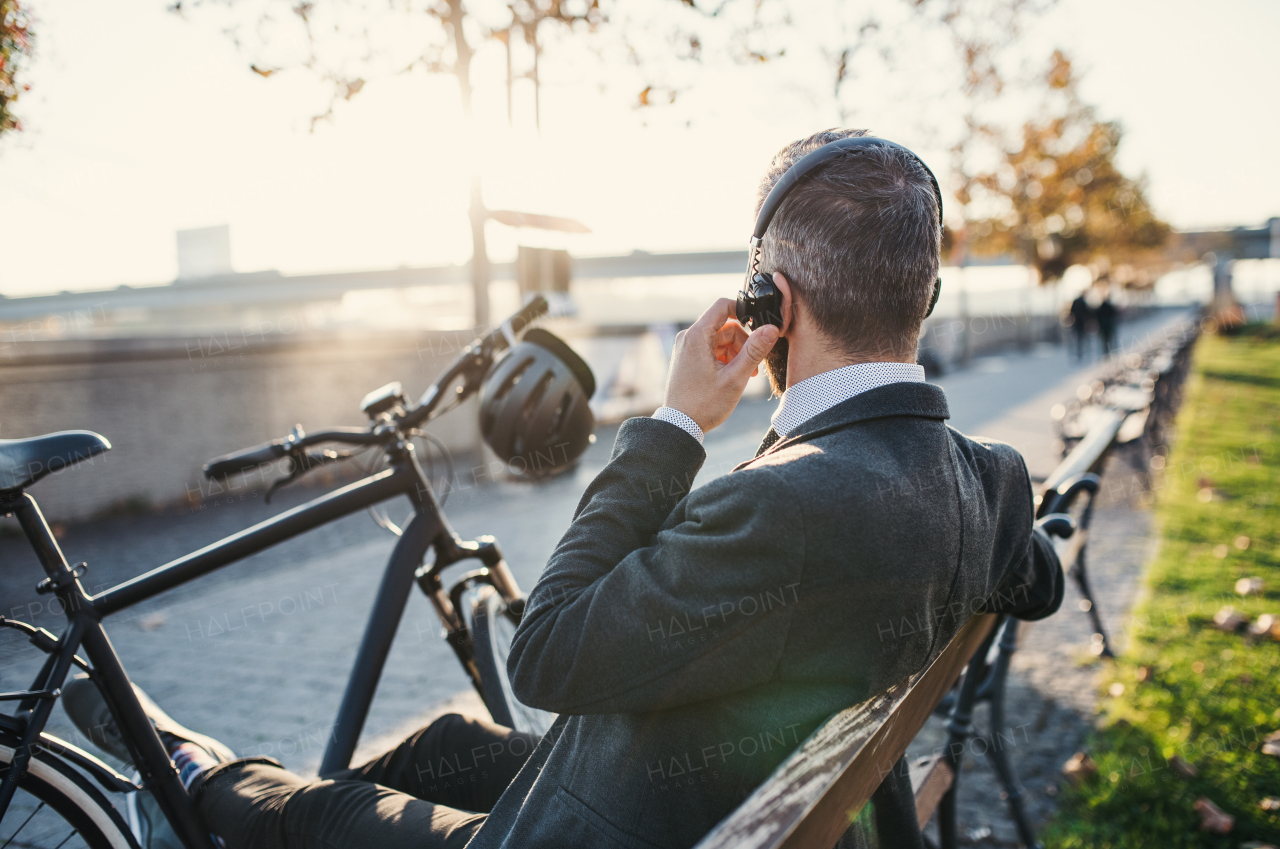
(533, 405)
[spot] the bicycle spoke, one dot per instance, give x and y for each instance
(65, 839)
(21, 827)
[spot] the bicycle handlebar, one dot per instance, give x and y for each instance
(240, 461)
(472, 363)
(525, 316)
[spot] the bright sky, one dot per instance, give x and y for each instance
(140, 123)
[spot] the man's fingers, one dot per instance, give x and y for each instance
(729, 341)
(731, 332)
(715, 317)
(754, 350)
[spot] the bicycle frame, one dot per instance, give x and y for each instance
(428, 528)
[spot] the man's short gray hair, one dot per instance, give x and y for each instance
(859, 242)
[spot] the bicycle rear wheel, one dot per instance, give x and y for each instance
(491, 633)
(57, 807)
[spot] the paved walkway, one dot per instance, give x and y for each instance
(1052, 691)
(257, 653)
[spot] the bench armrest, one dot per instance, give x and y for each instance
(813, 795)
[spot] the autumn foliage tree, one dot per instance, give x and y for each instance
(15, 49)
(1057, 198)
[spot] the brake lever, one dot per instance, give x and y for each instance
(301, 462)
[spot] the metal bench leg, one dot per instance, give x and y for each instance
(959, 729)
(994, 690)
(1079, 571)
(947, 819)
(895, 810)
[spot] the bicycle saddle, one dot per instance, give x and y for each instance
(25, 461)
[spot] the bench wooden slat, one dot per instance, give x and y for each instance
(931, 778)
(813, 795)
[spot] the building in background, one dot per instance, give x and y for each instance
(204, 252)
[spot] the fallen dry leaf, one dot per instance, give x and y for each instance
(1213, 818)
(1229, 619)
(1266, 625)
(1246, 586)
(1079, 768)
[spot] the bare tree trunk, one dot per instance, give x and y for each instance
(537, 85)
(479, 253)
(477, 212)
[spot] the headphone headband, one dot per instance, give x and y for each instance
(812, 161)
(760, 299)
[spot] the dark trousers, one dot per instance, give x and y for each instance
(433, 790)
(1108, 335)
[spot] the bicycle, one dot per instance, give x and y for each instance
(43, 772)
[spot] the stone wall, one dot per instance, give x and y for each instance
(954, 340)
(168, 405)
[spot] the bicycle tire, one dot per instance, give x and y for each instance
(491, 633)
(54, 790)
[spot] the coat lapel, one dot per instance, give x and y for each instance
(920, 400)
(769, 438)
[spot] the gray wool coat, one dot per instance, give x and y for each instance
(691, 640)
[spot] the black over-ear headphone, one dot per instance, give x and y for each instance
(761, 302)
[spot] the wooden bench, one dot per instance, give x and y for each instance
(811, 798)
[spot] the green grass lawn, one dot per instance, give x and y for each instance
(1191, 691)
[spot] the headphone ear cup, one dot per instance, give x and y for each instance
(768, 301)
(933, 302)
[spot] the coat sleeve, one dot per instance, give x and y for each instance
(654, 598)
(1033, 588)
(1033, 585)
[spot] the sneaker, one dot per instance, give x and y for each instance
(191, 752)
(148, 823)
(89, 712)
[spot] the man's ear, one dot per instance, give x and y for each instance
(784, 289)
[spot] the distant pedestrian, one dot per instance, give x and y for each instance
(1108, 317)
(1081, 318)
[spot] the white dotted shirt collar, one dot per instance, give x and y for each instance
(823, 391)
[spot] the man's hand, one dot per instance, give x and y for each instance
(712, 362)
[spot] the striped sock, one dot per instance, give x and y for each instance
(191, 760)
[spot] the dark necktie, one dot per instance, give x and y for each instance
(769, 438)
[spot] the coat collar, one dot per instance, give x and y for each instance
(921, 400)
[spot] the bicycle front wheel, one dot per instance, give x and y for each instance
(491, 633)
(57, 807)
